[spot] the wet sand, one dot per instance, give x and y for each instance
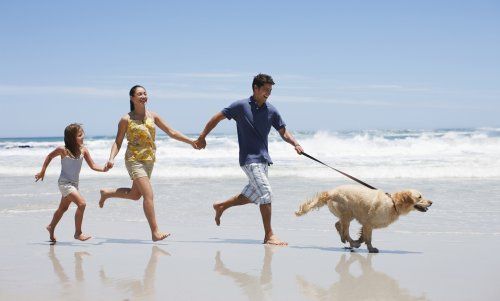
(448, 253)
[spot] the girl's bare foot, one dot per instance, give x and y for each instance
(82, 237)
(159, 236)
(51, 232)
(103, 199)
(218, 212)
(274, 240)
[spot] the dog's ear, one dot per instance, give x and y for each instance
(404, 197)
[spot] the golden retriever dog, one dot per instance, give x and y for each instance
(373, 209)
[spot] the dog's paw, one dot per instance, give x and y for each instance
(373, 250)
(354, 244)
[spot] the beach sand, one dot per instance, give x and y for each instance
(447, 253)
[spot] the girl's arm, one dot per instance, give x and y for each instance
(91, 163)
(59, 151)
(171, 132)
(122, 130)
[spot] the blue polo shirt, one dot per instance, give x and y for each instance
(253, 124)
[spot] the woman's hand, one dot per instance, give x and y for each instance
(194, 144)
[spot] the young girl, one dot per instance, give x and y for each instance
(72, 154)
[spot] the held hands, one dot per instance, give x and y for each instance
(109, 165)
(39, 176)
(201, 143)
(194, 144)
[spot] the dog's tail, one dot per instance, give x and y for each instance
(318, 201)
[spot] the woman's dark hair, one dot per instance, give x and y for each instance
(132, 93)
(261, 79)
(70, 134)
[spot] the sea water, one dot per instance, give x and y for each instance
(458, 169)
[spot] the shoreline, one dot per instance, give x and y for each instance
(437, 255)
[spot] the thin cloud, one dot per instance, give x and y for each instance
(382, 87)
(66, 90)
(193, 75)
(374, 103)
(217, 93)
(167, 94)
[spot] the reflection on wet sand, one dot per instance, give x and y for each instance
(256, 288)
(138, 288)
(61, 274)
(370, 285)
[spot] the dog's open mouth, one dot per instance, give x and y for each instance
(421, 208)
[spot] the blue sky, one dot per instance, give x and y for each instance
(338, 65)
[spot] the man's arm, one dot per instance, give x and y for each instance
(211, 124)
(288, 137)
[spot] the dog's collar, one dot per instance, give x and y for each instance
(393, 203)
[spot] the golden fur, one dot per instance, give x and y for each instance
(373, 209)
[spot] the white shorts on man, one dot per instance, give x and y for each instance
(258, 189)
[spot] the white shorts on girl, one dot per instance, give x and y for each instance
(258, 189)
(67, 187)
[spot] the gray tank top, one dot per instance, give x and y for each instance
(70, 169)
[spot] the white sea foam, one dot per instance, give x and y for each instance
(367, 154)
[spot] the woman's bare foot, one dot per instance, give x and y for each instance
(103, 198)
(82, 237)
(79, 255)
(219, 209)
(274, 240)
(159, 236)
(51, 232)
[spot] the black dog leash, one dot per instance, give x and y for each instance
(351, 177)
(339, 171)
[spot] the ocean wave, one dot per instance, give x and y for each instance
(469, 153)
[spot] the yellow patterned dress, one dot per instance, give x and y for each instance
(141, 148)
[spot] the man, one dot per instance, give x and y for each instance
(254, 118)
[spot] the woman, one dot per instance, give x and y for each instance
(139, 127)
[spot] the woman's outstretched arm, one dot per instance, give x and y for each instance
(122, 130)
(171, 132)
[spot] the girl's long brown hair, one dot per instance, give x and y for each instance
(70, 134)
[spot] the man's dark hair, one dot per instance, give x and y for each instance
(261, 79)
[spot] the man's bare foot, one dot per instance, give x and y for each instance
(103, 199)
(51, 232)
(218, 212)
(274, 240)
(82, 237)
(159, 236)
